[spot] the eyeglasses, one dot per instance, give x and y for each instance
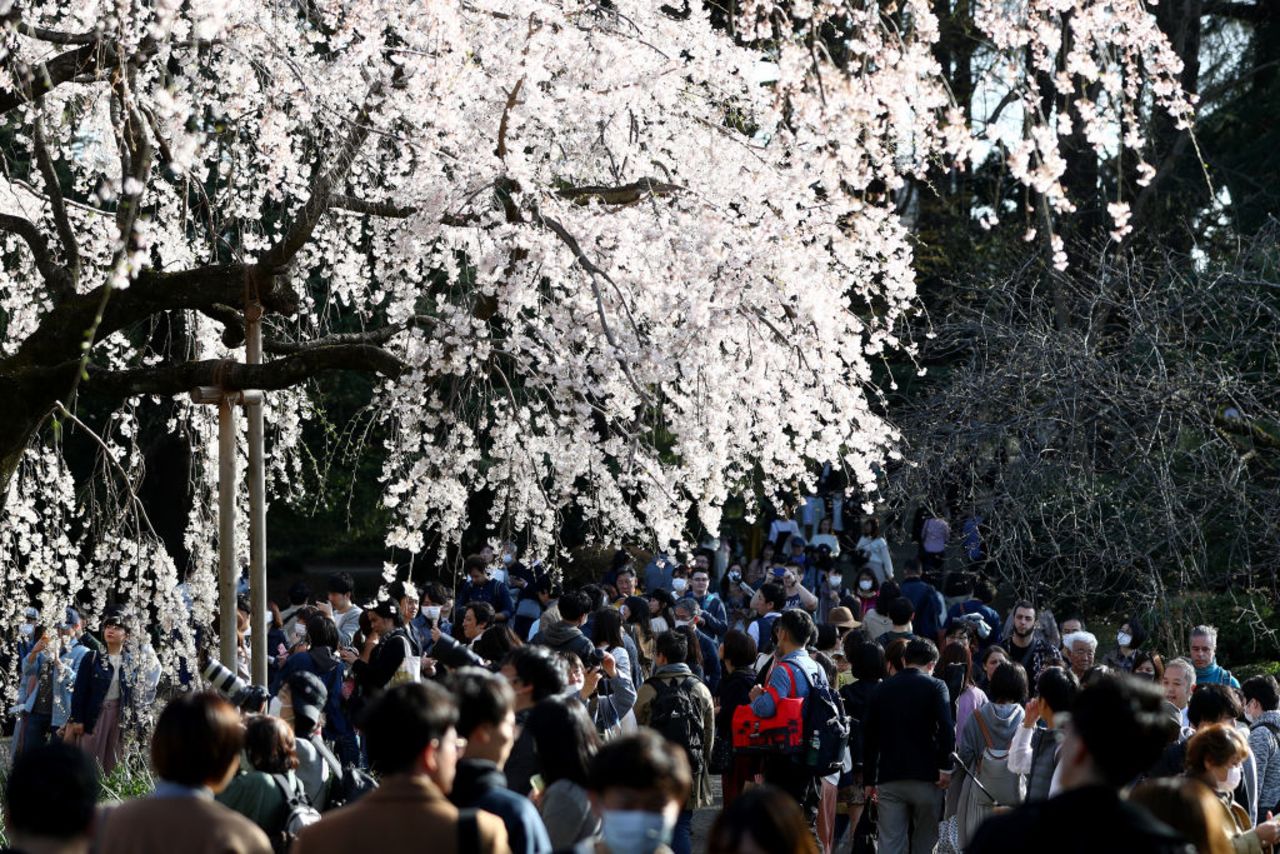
(459, 743)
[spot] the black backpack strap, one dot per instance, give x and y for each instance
(335, 767)
(1270, 727)
(468, 832)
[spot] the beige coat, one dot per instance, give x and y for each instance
(404, 814)
(190, 825)
(702, 696)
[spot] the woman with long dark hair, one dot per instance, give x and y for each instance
(380, 666)
(738, 658)
(636, 623)
(867, 666)
(618, 693)
(608, 632)
(564, 742)
(1129, 639)
(956, 671)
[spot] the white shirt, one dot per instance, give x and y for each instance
(113, 690)
(754, 629)
(828, 540)
(348, 624)
(878, 559)
(781, 526)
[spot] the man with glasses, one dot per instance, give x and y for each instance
(412, 740)
(714, 617)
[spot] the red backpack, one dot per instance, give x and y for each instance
(782, 733)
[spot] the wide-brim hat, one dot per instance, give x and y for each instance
(842, 617)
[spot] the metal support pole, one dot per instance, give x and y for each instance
(227, 569)
(257, 503)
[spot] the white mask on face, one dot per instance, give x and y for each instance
(576, 686)
(1123, 639)
(636, 832)
(836, 581)
(866, 584)
(432, 612)
(1233, 779)
(680, 623)
(679, 584)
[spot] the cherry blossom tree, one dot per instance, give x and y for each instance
(627, 258)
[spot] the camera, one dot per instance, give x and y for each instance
(594, 658)
(248, 698)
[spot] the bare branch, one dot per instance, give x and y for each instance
(378, 336)
(625, 194)
(390, 210)
(61, 331)
(66, 234)
(512, 96)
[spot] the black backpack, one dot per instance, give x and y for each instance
(855, 706)
(346, 784)
(298, 814)
(766, 633)
(825, 727)
(676, 715)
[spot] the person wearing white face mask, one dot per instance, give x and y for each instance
(1129, 639)
(687, 613)
(637, 786)
(1215, 757)
(680, 580)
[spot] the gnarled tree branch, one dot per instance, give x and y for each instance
(44, 78)
(276, 374)
(55, 275)
(390, 210)
(624, 194)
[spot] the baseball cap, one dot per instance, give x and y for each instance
(308, 693)
(71, 619)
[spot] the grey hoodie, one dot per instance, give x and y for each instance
(1002, 720)
(565, 636)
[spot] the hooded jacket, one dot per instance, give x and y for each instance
(565, 636)
(321, 661)
(480, 784)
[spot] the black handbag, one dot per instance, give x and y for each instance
(867, 832)
(721, 759)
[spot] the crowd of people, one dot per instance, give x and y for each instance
(839, 701)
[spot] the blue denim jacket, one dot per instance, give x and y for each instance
(140, 673)
(64, 680)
